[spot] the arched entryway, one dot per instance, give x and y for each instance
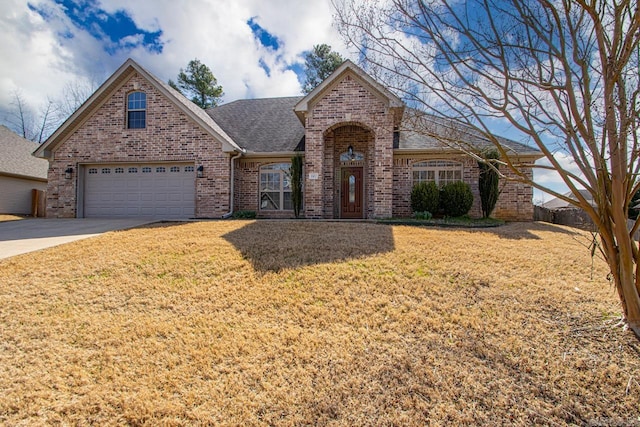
(348, 159)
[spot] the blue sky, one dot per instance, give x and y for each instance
(254, 47)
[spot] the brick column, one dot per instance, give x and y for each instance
(313, 170)
(383, 172)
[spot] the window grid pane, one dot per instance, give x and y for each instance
(275, 187)
(439, 171)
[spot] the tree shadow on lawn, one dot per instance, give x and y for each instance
(276, 245)
(526, 230)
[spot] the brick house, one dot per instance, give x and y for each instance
(137, 147)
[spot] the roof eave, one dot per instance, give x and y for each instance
(263, 154)
(20, 176)
(446, 150)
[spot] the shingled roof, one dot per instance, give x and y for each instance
(422, 131)
(16, 159)
(270, 125)
(266, 125)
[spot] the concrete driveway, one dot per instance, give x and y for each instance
(28, 235)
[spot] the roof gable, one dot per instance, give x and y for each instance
(16, 158)
(103, 93)
(347, 68)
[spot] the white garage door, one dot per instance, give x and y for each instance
(155, 190)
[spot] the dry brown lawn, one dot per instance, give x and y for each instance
(9, 217)
(314, 323)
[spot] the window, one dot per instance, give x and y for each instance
(146, 169)
(439, 171)
(106, 170)
(351, 157)
(93, 171)
(136, 110)
(133, 170)
(119, 170)
(189, 169)
(275, 187)
(174, 169)
(160, 169)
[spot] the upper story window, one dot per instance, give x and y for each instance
(275, 187)
(440, 171)
(137, 110)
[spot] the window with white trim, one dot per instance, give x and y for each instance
(137, 110)
(275, 187)
(439, 171)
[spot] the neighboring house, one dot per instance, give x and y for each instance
(20, 173)
(557, 203)
(137, 147)
(558, 211)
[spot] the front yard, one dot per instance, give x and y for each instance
(298, 323)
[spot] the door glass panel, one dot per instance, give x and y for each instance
(352, 189)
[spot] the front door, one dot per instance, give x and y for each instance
(351, 194)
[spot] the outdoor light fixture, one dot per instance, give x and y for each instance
(68, 173)
(350, 152)
(200, 171)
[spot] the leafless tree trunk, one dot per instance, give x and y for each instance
(21, 117)
(74, 94)
(564, 74)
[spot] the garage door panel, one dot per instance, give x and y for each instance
(149, 190)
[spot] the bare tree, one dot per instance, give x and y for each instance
(29, 124)
(563, 73)
(74, 94)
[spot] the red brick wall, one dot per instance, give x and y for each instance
(515, 202)
(349, 103)
(170, 135)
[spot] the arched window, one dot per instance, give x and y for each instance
(275, 187)
(137, 110)
(439, 171)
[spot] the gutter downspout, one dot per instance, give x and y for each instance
(232, 184)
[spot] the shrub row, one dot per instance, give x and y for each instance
(453, 199)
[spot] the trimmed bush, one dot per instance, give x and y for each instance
(456, 199)
(423, 215)
(296, 183)
(425, 197)
(244, 215)
(488, 182)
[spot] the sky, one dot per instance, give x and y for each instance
(254, 48)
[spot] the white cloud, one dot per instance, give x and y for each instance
(39, 60)
(551, 179)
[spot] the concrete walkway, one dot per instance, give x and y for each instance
(28, 235)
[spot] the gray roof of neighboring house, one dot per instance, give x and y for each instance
(16, 158)
(557, 203)
(266, 125)
(270, 125)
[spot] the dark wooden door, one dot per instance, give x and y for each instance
(351, 193)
